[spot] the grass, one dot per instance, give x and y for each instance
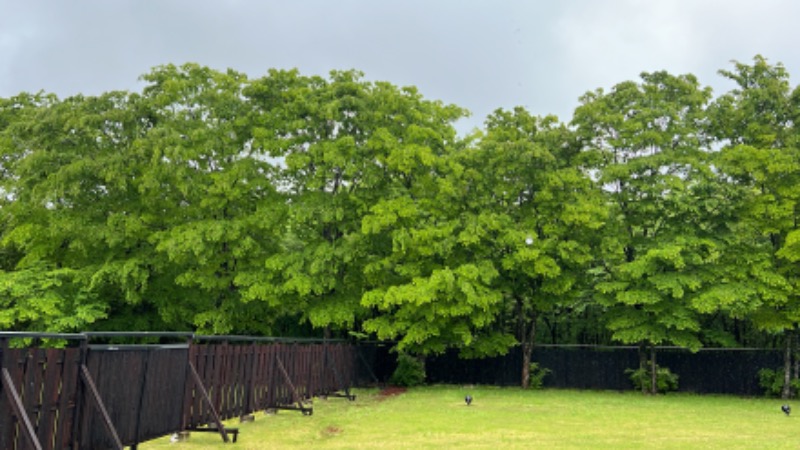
(436, 417)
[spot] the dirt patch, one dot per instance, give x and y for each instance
(390, 391)
(332, 430)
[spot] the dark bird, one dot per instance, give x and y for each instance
(468, 399)
(786, 409)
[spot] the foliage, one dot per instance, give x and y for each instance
(756, 122)
(665, 379)
(357, 154)
(537, 376)
(771, 380)
(546, 214)
(336, 205)
(644, 143)
(410, 371)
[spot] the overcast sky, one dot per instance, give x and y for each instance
(479, 54)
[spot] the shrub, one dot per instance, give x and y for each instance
(665, 379)
(772, 382)
(410, 371)
(536, 376)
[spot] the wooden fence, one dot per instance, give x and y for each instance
(110, 396)
(709, 371)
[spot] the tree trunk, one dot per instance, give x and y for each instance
(643, 364)
(529, 341)
(653, 371)
(795, 371)
(796, 362)
(786, 392)
(526, 366)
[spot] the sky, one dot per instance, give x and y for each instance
(478, 54)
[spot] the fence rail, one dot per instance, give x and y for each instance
(110, 396)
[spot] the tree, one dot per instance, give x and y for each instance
(643, 143)
(348, 147)
(433, 277)
(53, 201)
(755, 126)
(460, 266)
(143, 209)
(212, 188)
(548, 212)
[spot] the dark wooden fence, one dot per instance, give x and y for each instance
(708, 371)
(109, 396)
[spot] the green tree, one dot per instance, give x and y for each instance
(432, 279)
(139, 210)
(347, 146)
(58, 183)
(211, 188)
(547, 212)
(755, 124)
(644, 144)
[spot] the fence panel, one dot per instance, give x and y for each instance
(45, 380)
(141, 387)
(497, 371)
(119, 378)
(724, 371)
(162, 399)
(719, 371)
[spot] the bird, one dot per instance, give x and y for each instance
(468, 399)
(786, 409)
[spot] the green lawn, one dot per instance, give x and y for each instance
(500, 418)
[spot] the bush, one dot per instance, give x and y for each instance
(410, 371)
(665, 379)
(772, 382)
(536, 376)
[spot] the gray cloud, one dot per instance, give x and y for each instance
(478, 54)
(606, 42)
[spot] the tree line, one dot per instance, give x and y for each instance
(660, 214)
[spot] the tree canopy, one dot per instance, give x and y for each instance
(294, 204)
